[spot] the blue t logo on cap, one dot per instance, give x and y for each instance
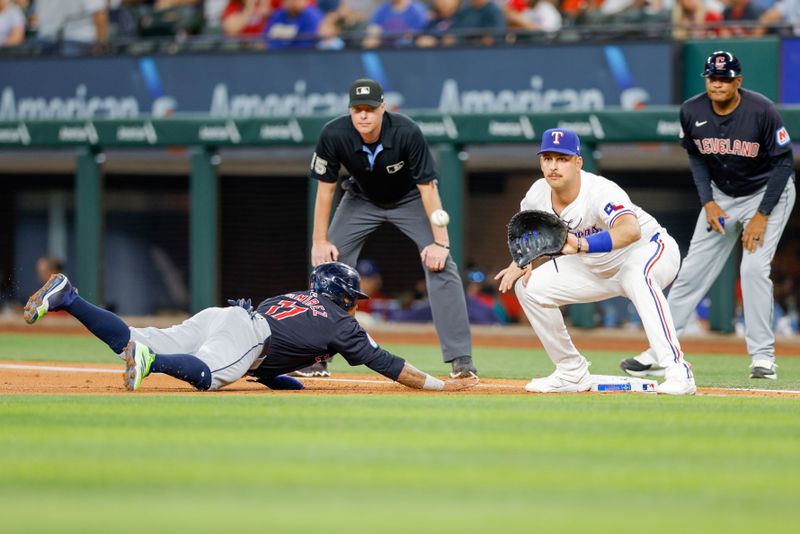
(562, 141)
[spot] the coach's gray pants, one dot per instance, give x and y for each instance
(708, 253)
(356, 218)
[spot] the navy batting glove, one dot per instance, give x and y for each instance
(245, 304)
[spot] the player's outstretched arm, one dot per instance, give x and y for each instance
(412, 377)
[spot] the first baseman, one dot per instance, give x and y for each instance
(614, 248)
(741, 159)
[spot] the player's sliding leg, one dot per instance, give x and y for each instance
(58, 294)
(140, 362)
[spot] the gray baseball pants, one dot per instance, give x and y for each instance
(708, 252)
(356, 218)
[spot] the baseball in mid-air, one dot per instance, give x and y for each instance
(440, 218)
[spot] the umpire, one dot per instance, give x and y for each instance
(392, 179)
(741, 159)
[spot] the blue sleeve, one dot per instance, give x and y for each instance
(782, 169)
(498, 18)
(702, 177)
(379, 17)
(388, 365)
(358, 348)
(420, 17)
(309, 21)
(775, 137)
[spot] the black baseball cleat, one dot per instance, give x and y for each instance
(318, 369)
(634, 367)
(764, 369)
(463, 368)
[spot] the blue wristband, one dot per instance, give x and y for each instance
(599, 242)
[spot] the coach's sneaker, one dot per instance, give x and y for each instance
(559, 383)
(138, 360)
(463, 368)
(641, 366)
(679, 381)
(318, 369)
(764, 369)
(55, 294)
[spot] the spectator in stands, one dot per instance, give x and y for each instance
(12, 24)
(784, 11)
(47, 266)
(692, 20)
(746, 13)
(178, 17)
(345, 21)
(246, 17)
(579, 11)
(479, 22)
(395, 23)
(533, 15)
(437, 31)
(73, 26)
(161, 5)
(294, 25)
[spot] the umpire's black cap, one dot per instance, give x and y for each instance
(722, 64)
(366, 92)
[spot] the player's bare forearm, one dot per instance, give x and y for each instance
(322, 209)
(323, 250)
(625, 230)
(432, 202)
(413, 378)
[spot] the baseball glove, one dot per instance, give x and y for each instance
(533, 234)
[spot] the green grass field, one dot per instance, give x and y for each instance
(427, 463)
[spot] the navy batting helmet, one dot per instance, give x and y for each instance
(339, 282)
(722, 64)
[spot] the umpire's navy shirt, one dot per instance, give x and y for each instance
(739, 147)
(402, 158)
(308, 327)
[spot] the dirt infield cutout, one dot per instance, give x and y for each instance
(95, 379)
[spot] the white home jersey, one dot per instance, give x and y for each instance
(599, 204)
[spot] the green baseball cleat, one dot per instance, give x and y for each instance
(138, 359)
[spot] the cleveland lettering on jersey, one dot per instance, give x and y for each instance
(737, 147)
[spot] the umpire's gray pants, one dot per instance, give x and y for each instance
(356, 218)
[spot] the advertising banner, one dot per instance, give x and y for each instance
(283, 84)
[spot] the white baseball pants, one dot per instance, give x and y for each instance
(651, 265)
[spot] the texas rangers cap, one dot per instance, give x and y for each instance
(562, 141)
(366, 92)
(722, 64)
